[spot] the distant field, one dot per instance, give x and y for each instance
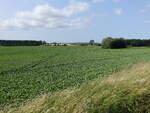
(26, 72)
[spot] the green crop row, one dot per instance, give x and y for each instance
(26, 72)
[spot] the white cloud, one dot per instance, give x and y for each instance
(118, 11)
(45, 16)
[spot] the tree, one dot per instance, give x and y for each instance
(113, 43)
(92, 42)
(118, 43)
(106, 42)
(138, 42)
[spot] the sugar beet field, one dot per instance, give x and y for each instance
(26, 72)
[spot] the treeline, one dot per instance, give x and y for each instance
(138, 42)
(114, 43)
(21, 43)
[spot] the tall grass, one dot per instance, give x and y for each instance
(127, 91)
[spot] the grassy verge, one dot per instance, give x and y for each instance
(127, 91)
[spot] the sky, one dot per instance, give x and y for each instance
(74, 20)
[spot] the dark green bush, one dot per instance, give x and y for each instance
(113, 43)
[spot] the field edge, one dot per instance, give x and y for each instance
(125, 91)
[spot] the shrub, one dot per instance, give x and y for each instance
(113, 43)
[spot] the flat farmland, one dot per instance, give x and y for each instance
(27, 72)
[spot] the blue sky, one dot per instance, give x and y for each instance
(74, 20)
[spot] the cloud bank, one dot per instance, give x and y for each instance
(45, 16)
